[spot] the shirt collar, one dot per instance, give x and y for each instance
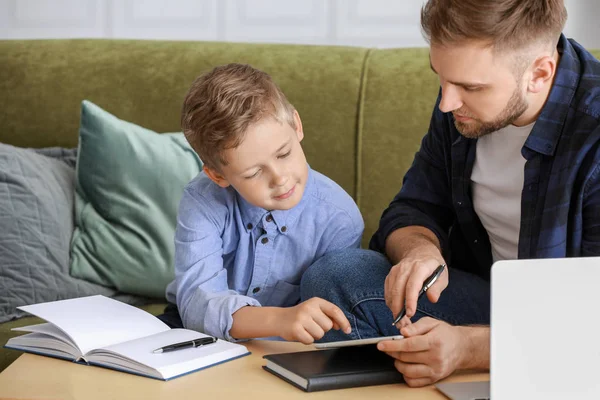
(547, 130)
(284, 219)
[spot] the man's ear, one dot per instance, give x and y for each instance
(298, 122)
(542, 73)
(215, 176)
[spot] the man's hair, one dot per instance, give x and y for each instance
(503, 24)
(221, 105)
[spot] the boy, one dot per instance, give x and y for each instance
(256, 217)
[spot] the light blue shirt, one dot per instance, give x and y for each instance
(230, 254)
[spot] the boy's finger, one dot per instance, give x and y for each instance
(314, 330)
(304, 337)
(336, 315)
(323, 321)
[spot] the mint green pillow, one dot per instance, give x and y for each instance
(129, 181)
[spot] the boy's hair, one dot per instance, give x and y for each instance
(221, 105)
(504, 24)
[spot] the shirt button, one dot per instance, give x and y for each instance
(264, 240)
(249, 226)
(475, 241)
(269, 218)
(256, 290)
(283, 229)
(459, 203)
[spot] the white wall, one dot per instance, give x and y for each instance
(381, 23)
(583, 24)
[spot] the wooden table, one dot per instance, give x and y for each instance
(38, 377)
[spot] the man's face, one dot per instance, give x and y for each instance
(268, 168)
(480, 89)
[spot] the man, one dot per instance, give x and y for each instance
(510, 168)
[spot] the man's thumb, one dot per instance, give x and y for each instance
(420, 327)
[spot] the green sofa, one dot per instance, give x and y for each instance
(364, 110)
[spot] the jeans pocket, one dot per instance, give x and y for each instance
(284, 294)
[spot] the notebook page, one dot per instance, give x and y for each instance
(97, 321)
(40, 343)
(130, 354)
(47, 329)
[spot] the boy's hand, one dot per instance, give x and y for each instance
(309, 320)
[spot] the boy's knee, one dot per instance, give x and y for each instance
(331, 265)
(339, 268)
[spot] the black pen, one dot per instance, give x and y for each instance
(426, 285)
(186, 345)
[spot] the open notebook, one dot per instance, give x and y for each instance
(101, 331)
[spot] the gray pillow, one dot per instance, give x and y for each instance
(36, 224)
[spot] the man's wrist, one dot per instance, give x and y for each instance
(476, 349)
(403, 242)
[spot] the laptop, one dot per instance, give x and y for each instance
(545, 332)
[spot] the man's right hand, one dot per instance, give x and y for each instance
(310, 320)
(405, 280)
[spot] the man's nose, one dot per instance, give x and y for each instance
(450, 99)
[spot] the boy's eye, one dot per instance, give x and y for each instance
(285, 155)
(472, 88)
(253, 175)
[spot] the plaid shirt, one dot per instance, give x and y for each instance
(560, 204)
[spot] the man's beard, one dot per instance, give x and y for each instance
(516, 106)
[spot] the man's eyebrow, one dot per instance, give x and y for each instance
(461, 84)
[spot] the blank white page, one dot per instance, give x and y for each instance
(97, 321)
(47, 329)
(172, 363)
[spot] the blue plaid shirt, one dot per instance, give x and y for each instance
(560, 204)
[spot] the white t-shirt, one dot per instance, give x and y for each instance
(497, 183)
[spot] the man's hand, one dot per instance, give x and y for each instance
(310, 320)
(405, 280)
(431, 350)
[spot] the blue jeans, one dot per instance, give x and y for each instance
(353, 279)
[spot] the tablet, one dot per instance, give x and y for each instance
(357, 342)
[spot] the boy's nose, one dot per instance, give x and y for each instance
(450, 99)
(279, 179)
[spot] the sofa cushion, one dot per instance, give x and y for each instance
(36, 224)
(129, 183)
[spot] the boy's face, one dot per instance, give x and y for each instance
(479, 88)
(268, 168)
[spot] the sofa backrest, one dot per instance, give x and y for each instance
(364, 111)
(43, 83)
(144, 82)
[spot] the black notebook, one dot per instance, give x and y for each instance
(339, 368)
